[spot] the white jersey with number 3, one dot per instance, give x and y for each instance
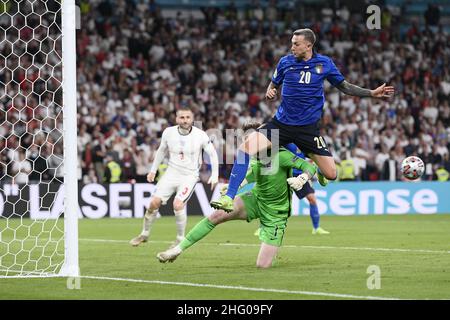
(185, 151)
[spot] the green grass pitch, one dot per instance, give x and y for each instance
(412, 252)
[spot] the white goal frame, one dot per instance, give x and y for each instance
(70, 267)
(69, 264)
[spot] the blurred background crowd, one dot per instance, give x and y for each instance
(140, 60)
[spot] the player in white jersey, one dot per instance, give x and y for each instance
(185, 144)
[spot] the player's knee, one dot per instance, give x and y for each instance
(155, 203)
(246, 147)
(333, 176)
(178, 205)
(218, 217)
(330, 173)
(254, 143)
(312, 199)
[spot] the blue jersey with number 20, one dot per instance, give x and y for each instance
(302, 92)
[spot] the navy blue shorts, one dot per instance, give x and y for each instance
(307, 138)
(303, 192)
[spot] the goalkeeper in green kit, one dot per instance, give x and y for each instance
(269, 201)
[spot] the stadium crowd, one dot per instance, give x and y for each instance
(135, 67)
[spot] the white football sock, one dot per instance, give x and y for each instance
(149, 217)
(181, 220)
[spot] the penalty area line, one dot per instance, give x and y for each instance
(242, 288)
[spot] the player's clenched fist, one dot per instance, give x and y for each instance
(151, 176)
(271, 93)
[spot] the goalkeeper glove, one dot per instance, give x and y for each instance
(298, 182)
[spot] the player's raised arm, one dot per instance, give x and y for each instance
(160, 153)
(208, 147)
(276, 81)
(382, 91)
(335, 77)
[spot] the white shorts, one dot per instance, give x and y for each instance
(173, 181)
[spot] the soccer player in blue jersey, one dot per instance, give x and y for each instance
(301, 75)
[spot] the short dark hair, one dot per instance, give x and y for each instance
(251, 125)
(307, 33)
(184, 108)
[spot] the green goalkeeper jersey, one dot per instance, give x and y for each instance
(272, 190)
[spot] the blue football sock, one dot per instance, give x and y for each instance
(292, 147)
(238, 173)
(314, 214)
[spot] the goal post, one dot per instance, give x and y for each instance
(38, 139)
(68, 20)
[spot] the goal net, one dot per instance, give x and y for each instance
(38, 186)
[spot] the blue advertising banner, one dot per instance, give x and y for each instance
(363, 198)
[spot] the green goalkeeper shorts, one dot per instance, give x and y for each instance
(272, 223)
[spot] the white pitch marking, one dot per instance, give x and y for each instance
(204, 285)
(291, 246)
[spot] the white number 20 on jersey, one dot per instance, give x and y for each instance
(305, 77)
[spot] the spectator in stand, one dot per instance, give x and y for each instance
(432, 15)
(113, 170)
(390, 170)
(21, 168)
(143, 164)
(347, 170)
(128, 166)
